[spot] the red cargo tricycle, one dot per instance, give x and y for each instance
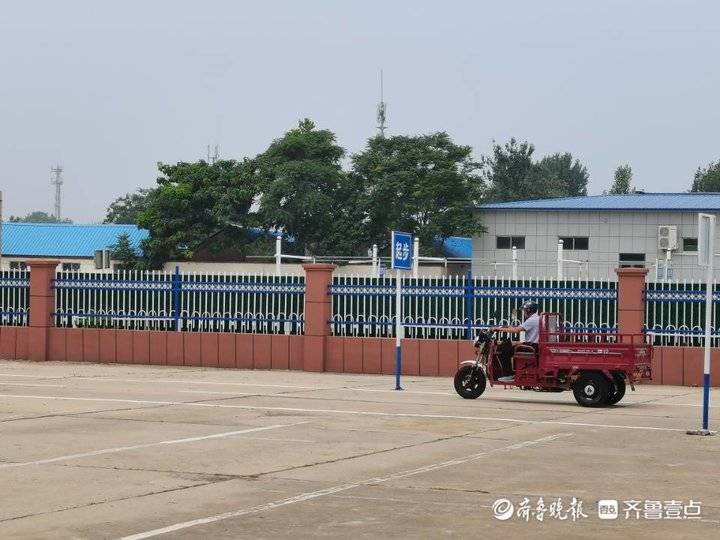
(595, 366)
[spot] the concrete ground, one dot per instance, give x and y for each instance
(111, 451)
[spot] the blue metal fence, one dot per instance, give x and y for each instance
(187, 302)
(14, 297)
(456, 307)
(675, 313)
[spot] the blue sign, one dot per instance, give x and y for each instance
(402, 246)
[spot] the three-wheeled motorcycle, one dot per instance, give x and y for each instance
(597, 367)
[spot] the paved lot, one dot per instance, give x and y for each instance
(108, 451)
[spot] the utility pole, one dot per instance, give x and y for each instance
(57, 181)
(381, 109)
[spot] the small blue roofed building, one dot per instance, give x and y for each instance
(598, 233)
(74, 245)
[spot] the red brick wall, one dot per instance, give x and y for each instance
(680, 366)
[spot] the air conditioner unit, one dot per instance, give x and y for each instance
(667, 237)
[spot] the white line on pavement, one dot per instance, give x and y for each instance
(214, 393)
(689, 405)
(184, 381)
(29, 376)
(276, 439)
(342, 411)
(423, 392)
(301, 387)
(139, 446)
(340, 488)
(175, 381)
(498, 399)
(33, 384)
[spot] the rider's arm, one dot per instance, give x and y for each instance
(509, 329)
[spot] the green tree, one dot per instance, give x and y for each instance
(303, 189)
(511, 174)
(622, 185)
(38, 217)
(423, 184)
(124, 252)
(561, 170)
(707, 178)
(125, 209)
(193, 201)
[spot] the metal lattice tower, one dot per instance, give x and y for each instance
(57, 181)
(381, 109)
(212, 159)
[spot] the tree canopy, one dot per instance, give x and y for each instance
(511, 174)
(707, 178)
(568, 174)
(303, 187)
(38, 216)
(125, 209)
(191, 203)
(124, 252)
(424, 184)
(623, 181)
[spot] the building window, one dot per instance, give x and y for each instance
(575, 242)
(690, 244)
(509, 242)
(632, 260)
(17, 265)
(71, 267)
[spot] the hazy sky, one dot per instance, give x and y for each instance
(108, 89)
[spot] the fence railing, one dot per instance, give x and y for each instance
(452, 307)
(186, 302)
(14, 297)
(675, 313)
(455, 307)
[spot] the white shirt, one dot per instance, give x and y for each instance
(531, 326)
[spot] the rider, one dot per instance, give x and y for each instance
(531, 327)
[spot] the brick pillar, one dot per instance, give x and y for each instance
(318, 311)
(42, 304)
(631, 299)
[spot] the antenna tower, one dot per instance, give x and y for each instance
(213, 158)
(381, 109)
(57, 181)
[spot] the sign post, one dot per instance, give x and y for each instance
(706, 258)
(402, 244)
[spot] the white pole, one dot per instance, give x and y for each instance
(398, 328)
(416, 256)
(375, 260)
(278, 255)
(708, 318)
(668, 255)
(514, 263)
(560, 260)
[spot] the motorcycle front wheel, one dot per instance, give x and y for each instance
(470, 382)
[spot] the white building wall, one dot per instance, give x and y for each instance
(610, 233)
(286, 269)
(85, 264)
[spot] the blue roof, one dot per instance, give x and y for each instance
(63, 239)
(457, 247)
(666, 202)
